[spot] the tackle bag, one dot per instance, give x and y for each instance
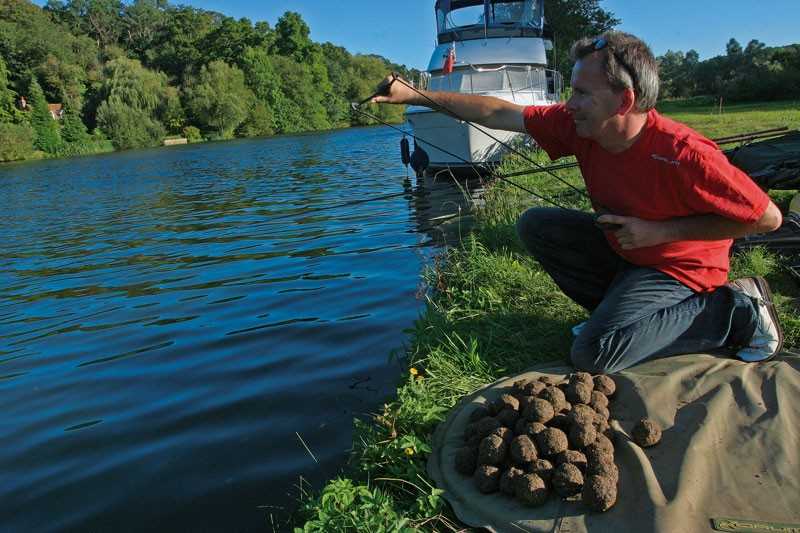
(772, 163)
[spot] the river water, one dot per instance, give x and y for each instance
(174, 321)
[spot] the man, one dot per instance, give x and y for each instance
(655, 284)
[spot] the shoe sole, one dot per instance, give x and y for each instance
(763, 288)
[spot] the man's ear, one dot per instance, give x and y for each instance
(627, 102)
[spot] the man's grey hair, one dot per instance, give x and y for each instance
(628, 62)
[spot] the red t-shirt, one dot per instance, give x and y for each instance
(670, 171)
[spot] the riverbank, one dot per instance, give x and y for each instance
(491, 311)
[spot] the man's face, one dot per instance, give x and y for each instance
(594, 105)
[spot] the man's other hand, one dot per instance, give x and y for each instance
(636, 232)
(394, 90)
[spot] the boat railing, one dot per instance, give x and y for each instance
(543, 83)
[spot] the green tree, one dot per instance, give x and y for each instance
(229, 40)
(16, 141)
(73, 130)
(259, 122)
(303, 97)
(219, 99)
(46, 129)
(572, 19)
(128, 127)
(7, 96)
(292, 36)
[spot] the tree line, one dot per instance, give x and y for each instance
(755, 72)
(133, 73)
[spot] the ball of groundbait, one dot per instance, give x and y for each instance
(530, 489)
(579, 392)
(581, 414)
(492, 450)
(549, 380)
(504, 433)
(534, 388)
(487, 478)
(508, 479)
(542, 468)
(560, 421)
(478, 413)
(555, 397)
(519, 385)
(484, 427)
(605, 385)
(596, 454)
(551, 441)
(566, 408)
(524, 402)
(606, 468)
(503, 402)
(599, 493)
(582, 377)
(523, 450)
(602, 426)
(582, 435)
(646, 433)
(573, 457)
(539, 410)
(598, 398)
(523, 427)
(567, 479)
(508, 417)
(601, 413)
(466, 460)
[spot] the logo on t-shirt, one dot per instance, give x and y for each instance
(665, 159)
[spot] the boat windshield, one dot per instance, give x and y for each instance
(454, 14)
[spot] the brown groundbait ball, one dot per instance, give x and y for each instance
(567, 479)
(519, 385)
(582, 435)
(530, 489)
(598, 398)
(548, 380)
(487, 478)
(522, 450)
(582, 377)
(551, 441)
(555, 397)
(484, 427)
(466, 460)
(508, 417)
(539, 410)
(605, 468)
(572, 457)
(534, 388)
(478, 413)
(581, 414)
(602, 426)
(601, 414)
(599, 493)
(542, 468)
(524, 402)
(605, 385)
(567, 408)
(505, 401)
(523, 427)
(504, 433)
(492, 450)
(560, 421)
(508, 480)
(646, 433)
(579, 392)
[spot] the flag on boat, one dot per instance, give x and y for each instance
(449, 60)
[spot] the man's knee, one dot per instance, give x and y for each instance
(587, 356)
(532, 225)
(603, 354)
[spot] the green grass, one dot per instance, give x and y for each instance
(491, 311)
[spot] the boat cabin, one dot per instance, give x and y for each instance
(461, 20)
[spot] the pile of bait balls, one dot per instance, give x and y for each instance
(544, 436)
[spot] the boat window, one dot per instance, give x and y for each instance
(459, 14)
(516, 12)
(507, 79)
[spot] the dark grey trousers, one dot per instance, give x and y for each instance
(637, 313)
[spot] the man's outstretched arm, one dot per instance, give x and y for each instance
(484, 110)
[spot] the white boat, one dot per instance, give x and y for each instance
(494, 48)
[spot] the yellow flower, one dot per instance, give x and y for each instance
(409, 451)
(413, 371)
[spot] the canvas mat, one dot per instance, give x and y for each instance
(730, 448)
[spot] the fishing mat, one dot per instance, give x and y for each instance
(730, 450)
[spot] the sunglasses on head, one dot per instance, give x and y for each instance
(601, 43)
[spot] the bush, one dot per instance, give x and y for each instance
(16, 141)
(192, 134)
(128, 127)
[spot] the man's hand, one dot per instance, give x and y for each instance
(636, 232)
(394, 90)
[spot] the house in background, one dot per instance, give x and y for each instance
(56, 111)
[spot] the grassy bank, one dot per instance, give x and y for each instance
(491, 311)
